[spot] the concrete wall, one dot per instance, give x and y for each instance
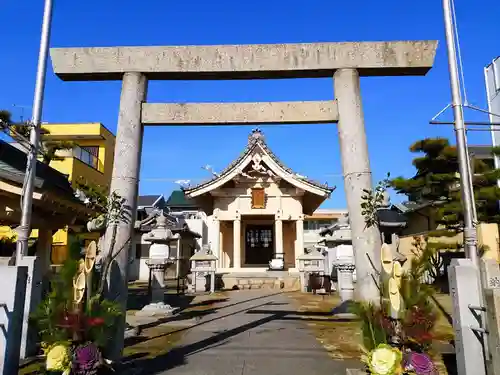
(199, 225)
(488, 235)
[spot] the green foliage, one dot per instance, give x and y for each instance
(413, 290)
(437, 181)
(372, 324)
(106, 311)
(418, 317)
(372, 200)
(50, 149)
(5, 117)
(49, 312)
(58, 320)
(111, 206)
(21, 133)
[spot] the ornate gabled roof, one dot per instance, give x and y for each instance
(256, 139)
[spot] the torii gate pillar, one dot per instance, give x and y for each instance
(357, 178)
(125, 183)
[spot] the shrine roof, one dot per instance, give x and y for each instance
(256, 141)
(178, 199)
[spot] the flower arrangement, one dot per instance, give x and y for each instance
(397, 332)
(74, 331)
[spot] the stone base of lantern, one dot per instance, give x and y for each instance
(157, 309)
(157, 305)
(201, 282)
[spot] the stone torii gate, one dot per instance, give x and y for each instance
(345, 62)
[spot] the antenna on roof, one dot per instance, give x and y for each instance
(23, 107)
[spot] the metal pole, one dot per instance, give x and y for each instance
(470, 235)
(29, 179)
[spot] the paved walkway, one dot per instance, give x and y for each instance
(252, 333)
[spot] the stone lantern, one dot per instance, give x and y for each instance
(203, 267)
(311, 262)
(159, 258)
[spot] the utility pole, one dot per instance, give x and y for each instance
(24, 228)
(470, 234)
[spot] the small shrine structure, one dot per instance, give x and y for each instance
(257, 207)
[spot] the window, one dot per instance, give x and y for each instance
(88, 155)
(92, 150)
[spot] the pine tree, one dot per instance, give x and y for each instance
(21, 133)
(437, 184)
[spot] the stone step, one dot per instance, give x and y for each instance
(253, 282)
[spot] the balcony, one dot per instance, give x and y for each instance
(83, 155)
(86, 157)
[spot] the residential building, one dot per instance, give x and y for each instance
(89, 160)
(492, 81)
(320, 218)
(54, 207)
(190, 213)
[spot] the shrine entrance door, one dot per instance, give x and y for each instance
(259, 245)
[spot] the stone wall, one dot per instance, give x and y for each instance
(260, 282)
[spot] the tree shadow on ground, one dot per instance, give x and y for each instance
(185, 315)
(178, 356)
(199, 311)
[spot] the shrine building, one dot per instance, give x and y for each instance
(255, 211)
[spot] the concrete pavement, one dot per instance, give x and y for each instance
(254, 332)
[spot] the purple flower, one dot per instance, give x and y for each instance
(420, 363)
(86, 359)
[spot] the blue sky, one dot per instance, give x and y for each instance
(397, 109)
